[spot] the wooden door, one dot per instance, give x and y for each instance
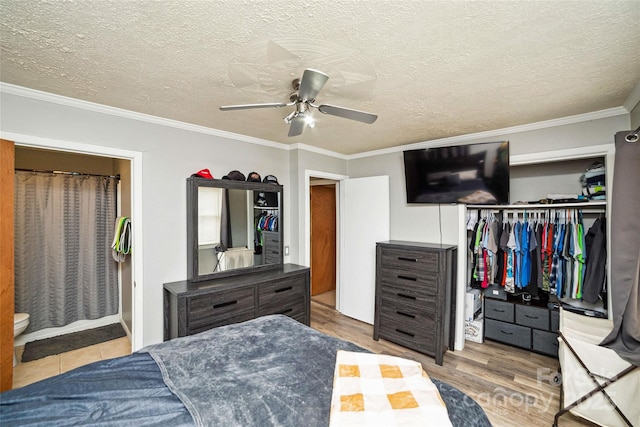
(323, 238)
(7, 155)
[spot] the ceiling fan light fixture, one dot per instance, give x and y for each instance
(308, 119)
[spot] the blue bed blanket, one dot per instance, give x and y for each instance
(267, 371)
(126, 391)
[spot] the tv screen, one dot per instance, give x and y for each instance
(469, 174)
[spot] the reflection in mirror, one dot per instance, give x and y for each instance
(232, 227)
(224, 233)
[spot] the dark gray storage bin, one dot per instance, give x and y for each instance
(545, 342)
(499, 310)
(534, 317)
(508, 333)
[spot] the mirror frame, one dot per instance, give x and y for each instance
(193, 183)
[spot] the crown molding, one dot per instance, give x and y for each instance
(318, 150)
(132, 115)
(610, 112)
(633, 99)
(11, 89)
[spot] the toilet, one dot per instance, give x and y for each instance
(20, 323)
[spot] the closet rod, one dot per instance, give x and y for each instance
(68, 173)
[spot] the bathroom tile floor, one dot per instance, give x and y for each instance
(30, 372)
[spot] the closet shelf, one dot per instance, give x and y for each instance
(595, 204)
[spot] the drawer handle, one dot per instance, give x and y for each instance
(402, 258)
(406, 333)
(288, 288)
(530, 317)
(407, 296)
(506, 333)
(498, 310)
(224, 304)
(413, 279)
(405, 314)
(289, 310)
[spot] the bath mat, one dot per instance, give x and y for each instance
(42, 348)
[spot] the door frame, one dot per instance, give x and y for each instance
(135, 157)
(308, 174)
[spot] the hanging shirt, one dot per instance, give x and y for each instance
(525, 269)
(509, 283)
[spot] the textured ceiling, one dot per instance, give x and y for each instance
(428, 69)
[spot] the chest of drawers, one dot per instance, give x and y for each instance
(190, 308)
(525, 326)
(414, 300)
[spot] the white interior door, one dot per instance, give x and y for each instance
(365, 220)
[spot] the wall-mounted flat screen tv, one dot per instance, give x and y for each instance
(469, 174)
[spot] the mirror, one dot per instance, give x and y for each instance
(232, 227)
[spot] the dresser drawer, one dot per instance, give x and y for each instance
(499, 310)
(207, 309)
(545, 342)
(278, 292)
(410, 316)
(221, 321)
(409, 260)
(533, 317)
(508, 333)
(282, 297)
(270, 238)
(424, 283)
(411, 295)
(422, 340)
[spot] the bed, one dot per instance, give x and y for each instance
(267, 371)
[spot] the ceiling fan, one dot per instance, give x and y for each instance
(306, 89)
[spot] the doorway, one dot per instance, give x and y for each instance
(28, 158)
(323, 243)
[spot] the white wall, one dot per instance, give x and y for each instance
(301, 162)
(169, 156)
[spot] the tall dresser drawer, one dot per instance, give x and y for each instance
(206, 309)
(409, 260)
(508, 333)
(423, 281)
(534, 317)
(412, 317)
(422, 340)
(498, 310)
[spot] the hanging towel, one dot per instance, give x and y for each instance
(121, 245)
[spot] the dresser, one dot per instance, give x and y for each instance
(415, 298)
(192, 307)
(530, 327)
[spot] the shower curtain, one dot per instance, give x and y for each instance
(624, 339)
(64, 225)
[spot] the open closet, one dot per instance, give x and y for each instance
(544, 250)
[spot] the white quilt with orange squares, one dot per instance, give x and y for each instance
(380, 390)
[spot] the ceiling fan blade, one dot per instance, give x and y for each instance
(248, 106)
(347, 113)
(311, 83)
(296, 126)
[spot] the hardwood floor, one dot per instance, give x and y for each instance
(511, 385)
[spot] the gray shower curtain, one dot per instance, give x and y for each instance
(624, 339)
(64, 227)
